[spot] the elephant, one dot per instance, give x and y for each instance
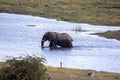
(57, 39)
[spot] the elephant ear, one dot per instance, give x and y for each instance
(46, 36)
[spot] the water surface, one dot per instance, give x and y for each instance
(21, 34)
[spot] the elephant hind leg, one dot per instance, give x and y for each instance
(69, 44)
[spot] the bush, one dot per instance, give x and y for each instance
(28, 68)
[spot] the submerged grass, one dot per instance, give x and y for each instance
(102, 12)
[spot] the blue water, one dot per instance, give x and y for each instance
(21, 35)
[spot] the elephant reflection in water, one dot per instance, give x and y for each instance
(57, 39)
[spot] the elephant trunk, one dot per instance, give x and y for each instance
(42, 44)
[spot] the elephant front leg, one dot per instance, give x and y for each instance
(52, 44)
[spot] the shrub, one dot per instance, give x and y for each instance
(27, 68)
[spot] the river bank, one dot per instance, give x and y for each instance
(98, 12)
(79, 74)
(57, 73)
(110, 34)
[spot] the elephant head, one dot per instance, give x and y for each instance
(50, 36)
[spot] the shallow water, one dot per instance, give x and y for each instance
(21, 34)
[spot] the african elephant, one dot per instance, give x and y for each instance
(57, 39)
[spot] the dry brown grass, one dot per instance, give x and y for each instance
(78, 74)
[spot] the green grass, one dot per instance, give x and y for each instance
(110, 34)
(78, 74)
(101, 12)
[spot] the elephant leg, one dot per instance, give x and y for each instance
(69, 44)
(52, 44)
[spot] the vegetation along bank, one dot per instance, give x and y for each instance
(100, 12)
(110, 34)
(32, 68)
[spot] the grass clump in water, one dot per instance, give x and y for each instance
(110, 34)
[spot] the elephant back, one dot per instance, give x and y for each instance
(64, 36)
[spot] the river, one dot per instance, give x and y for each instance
(21, 35)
